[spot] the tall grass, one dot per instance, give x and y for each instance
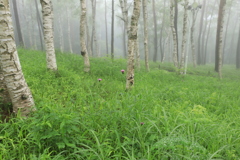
(165, 116)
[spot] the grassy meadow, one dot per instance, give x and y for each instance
(164, 117)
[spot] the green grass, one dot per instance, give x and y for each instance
(165, 116)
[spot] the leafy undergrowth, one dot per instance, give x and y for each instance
(165, 116)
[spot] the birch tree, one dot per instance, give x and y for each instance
(47, 12)
(184, 39)
(155, 31)
(132, 39)
(219, 39)
(175, 59)
(123, 5)
(84, 52)
(145, 21)
(10, 67)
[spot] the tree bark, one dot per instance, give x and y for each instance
(238, 51)
(106, 28)
(89, 48)
(155, 32)
(94, 34)
(14, 80)
(84, 52)
(40, 25)
(199, 53)
(132, 39)
(161, 43)
(176, 25)
(69, 31)
(175, 56)
(18, 26)
(145, 21)
(123, 5)
(219, 39)
(112, 32)
(184, 39)
(47, 12)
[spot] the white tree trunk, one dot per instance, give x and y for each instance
(69, 31)
(132, 39)
(184, 39)
(84, 52)
(47, 12)
(17, 87)
(145, 21)
(175, 60)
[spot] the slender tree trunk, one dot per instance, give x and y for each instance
(69, 31)
(219, 39)
(18, 26)
(161, 43)
(94, 34)
(137, 54)
(106, 28)
(194, 16)
(226, 33)
(47, 12)
(13, 78)
(203, 37)
(175, 56)
(199, 46)
(89, 45)
(238, 51)
(61, 40)
(184, 39)
(145, 21)
(155, 32)
(40, 27)
(123, 5)
(132, 39)
(112, 32)
(84, 52)
(176, 25)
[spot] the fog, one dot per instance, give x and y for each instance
(69, 10)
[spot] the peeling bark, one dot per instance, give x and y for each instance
(47, 12)
(11, 70)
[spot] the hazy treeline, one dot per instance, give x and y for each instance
(67, 21)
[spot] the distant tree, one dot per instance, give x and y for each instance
(11, 74)
(18, 26)
(40, 25)
(132, 39)
(176, 24)
(238, 51)
(87, 31)
(200, 46)
(194, 9)
(106, 28)
(155, 31)
(175, 56)
(184, 39)
(84, 52)
(219, 39)
(145, 21)
(112, 32)
(69, 30)
(161, 43)
(123, 5)
(47, 12)
(94, 33)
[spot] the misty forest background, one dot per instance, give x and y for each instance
(165, 116)
(67, 22)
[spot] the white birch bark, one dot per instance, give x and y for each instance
(184, 39)
(17, 87)
(175, 61)
(132, 38)
(84, 52)
(145, 21)
(47, 13)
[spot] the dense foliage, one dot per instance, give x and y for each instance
(166, 116)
